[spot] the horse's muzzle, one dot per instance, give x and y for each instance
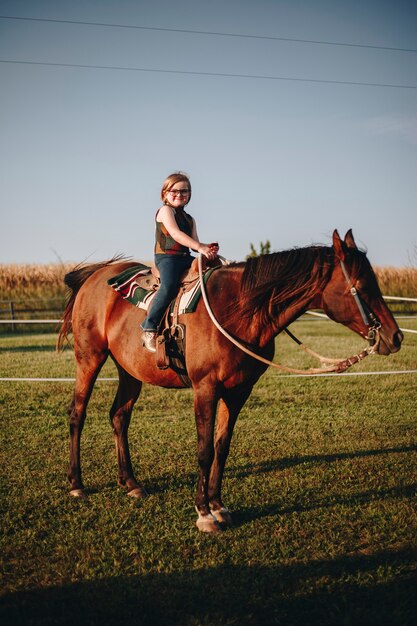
(388, 344)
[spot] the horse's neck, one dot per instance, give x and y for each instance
(291, 313)
(261, 329)
(269, 331)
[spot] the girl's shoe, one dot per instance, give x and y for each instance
(149, 340)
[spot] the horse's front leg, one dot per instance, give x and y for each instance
(230, 405)
(205, 404)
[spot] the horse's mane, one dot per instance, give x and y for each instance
(272, 281)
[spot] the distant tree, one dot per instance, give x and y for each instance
(412, 258)
(264, 248)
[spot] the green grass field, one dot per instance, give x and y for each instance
(321, 479)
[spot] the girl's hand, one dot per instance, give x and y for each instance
(208, 250)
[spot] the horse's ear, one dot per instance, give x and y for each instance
(339, 246)
(349, 240)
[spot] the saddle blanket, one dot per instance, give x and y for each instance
(127, 284)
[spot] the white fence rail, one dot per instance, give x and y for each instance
(397, 298)
(14, 321)
(324, 316)
(394, 298)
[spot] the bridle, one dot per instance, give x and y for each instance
(369, 318)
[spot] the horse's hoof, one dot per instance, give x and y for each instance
(223, 516)
(207, 523)
(138, 492)
(78, 493)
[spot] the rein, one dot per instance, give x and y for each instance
(338, 365)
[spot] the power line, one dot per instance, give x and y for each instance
(215, 74)
(210, 33)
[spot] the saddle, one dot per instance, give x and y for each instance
(138, 283)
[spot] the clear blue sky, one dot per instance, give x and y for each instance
(84, 151)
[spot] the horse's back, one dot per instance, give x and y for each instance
(96, 302)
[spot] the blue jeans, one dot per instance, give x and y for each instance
(171, 267)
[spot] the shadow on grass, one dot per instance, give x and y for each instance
(284, 463)
(167, 482)
(244, 516)
(342, 591)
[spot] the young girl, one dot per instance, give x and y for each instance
(175, 234)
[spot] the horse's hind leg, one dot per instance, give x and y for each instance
(88, 367)
(120, 414)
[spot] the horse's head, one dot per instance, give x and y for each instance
(353, 297)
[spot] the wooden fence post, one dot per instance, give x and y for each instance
(11, 306)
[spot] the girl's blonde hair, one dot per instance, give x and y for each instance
(171, 180)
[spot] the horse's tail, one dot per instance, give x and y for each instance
(74, 281)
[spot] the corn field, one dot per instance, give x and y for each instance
(46, 282)
(32, 281)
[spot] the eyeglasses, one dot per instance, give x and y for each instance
(179, 192)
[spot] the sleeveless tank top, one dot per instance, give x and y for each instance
(164, 243)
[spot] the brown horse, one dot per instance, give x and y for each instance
(254, 301)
